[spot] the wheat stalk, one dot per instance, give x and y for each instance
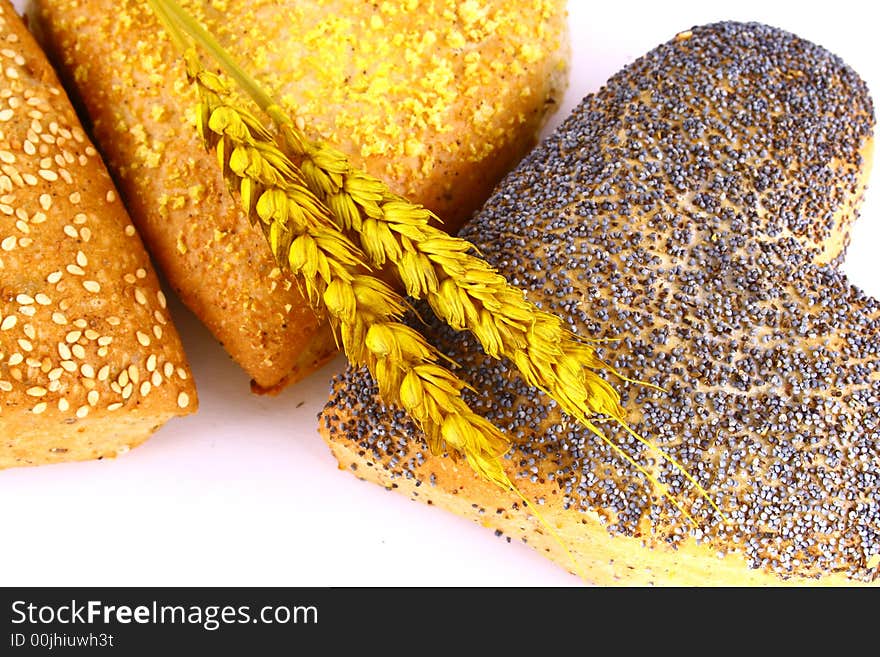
(461, 288)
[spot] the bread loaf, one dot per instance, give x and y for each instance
(439, 98)
(692, 212)
(90, 363)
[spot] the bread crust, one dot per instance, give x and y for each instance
(90, 362)
(683, 213)
(440, 104)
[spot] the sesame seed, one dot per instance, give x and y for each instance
(64, 351)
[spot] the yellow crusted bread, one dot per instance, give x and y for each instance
(688, 211)
(90, 363)
(437, 97)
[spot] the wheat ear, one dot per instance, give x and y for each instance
(461, 288)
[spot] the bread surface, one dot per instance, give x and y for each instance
(692, 211)
(438, 98)
(90, 363)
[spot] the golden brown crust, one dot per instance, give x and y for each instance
(90, 363)
(685, 211)
(439, 99)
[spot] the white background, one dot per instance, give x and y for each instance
(246, 493)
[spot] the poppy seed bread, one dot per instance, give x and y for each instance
(692, 210)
